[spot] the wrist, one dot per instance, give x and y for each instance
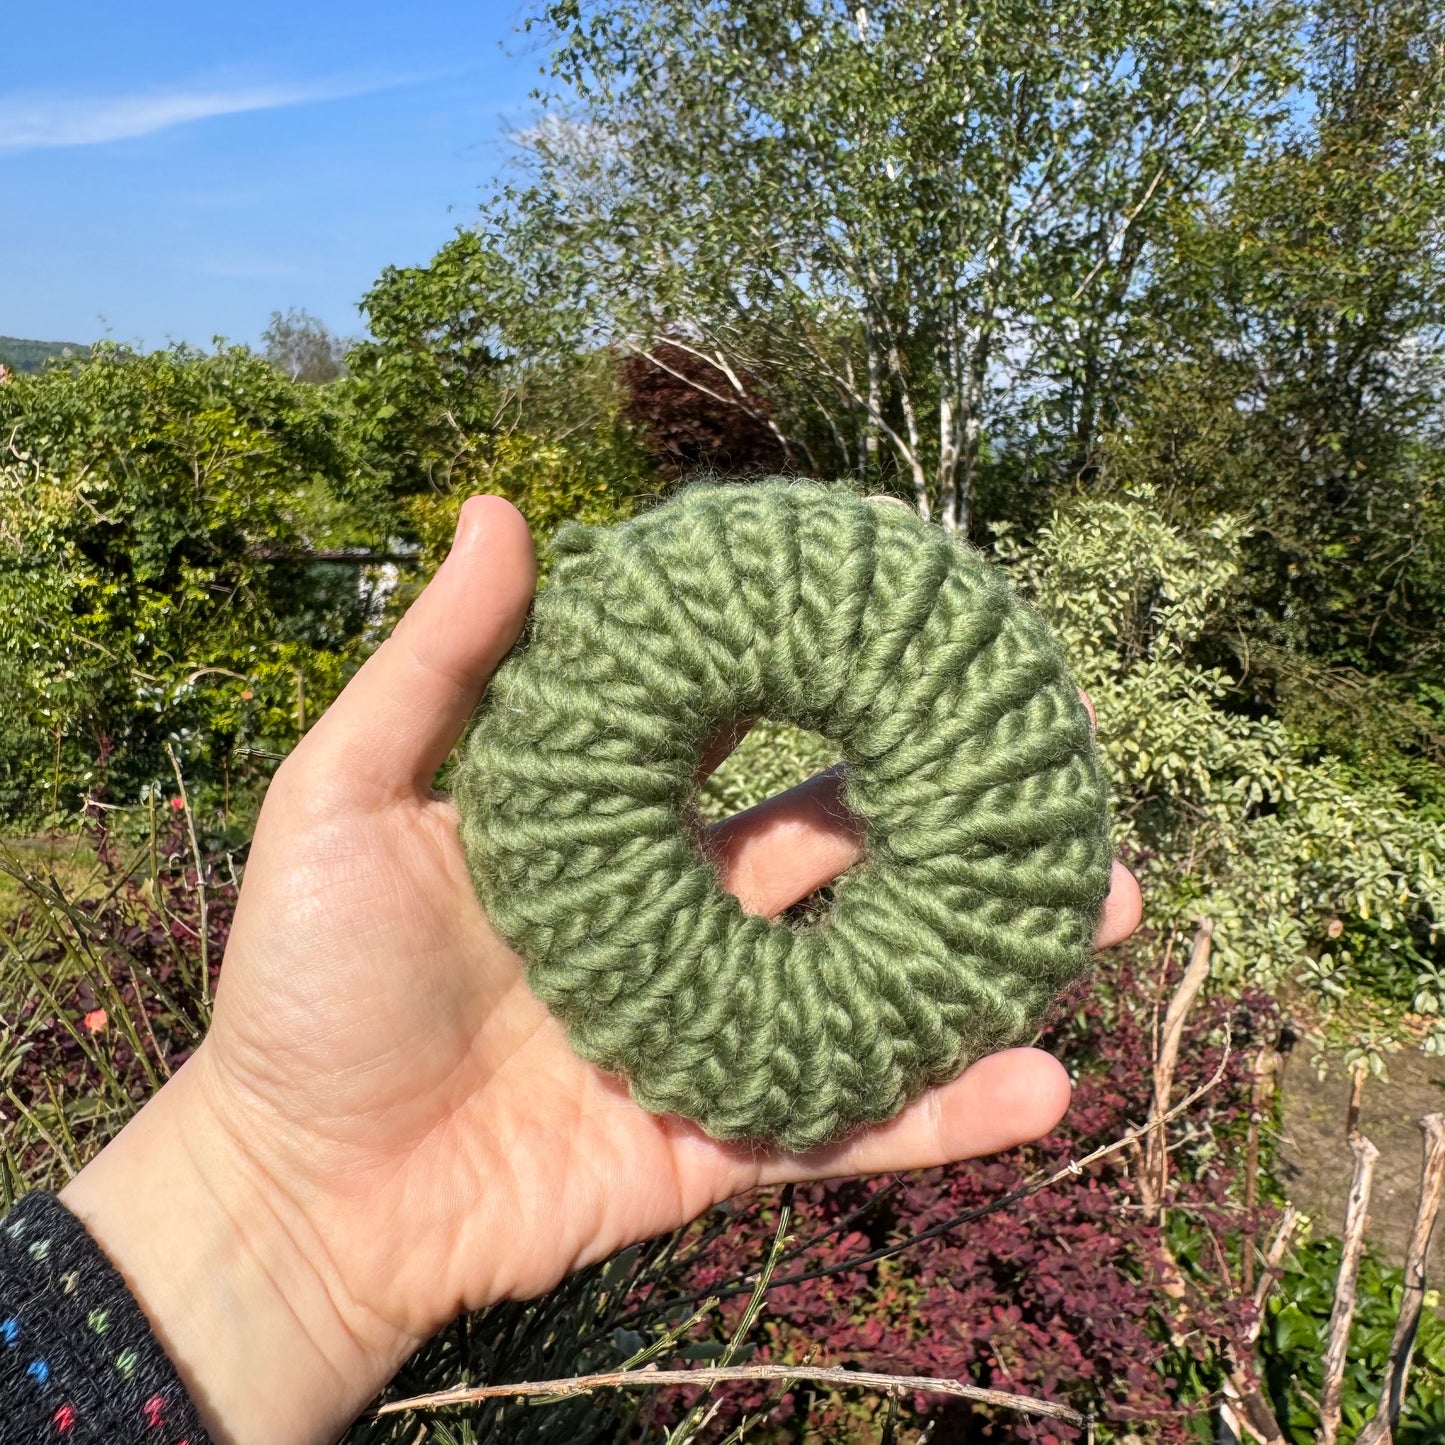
(235, 1281)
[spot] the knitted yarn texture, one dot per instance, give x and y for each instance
(970, 762)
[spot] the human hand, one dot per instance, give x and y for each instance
(384, 1127)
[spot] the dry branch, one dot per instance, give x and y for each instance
(1380, 1429)
(1244, 1408)
(652, 1378)
(1266, 1074)
(1154, 1176)
(1273, 1258)
(1357, 1096)
(205, 926)
(1343, 1314)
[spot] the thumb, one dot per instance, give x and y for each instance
(399, 717)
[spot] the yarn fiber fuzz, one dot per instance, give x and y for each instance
(971, 763)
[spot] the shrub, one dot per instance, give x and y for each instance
(159, 516)
(689, 415)
(1312, 872)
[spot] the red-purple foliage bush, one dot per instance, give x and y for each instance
(685, 428)
(111, 1000)
(1058, 1295)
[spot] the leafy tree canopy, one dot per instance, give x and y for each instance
(1309, 325)
(302, 347)
(879, 227)
(465, 385)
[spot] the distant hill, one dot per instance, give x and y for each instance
(21, 355)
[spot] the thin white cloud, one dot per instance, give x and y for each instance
(31, 121)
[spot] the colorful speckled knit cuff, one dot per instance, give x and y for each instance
(78, 1361)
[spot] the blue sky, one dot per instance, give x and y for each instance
(179, 171)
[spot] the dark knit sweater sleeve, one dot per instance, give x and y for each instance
(78, 1361)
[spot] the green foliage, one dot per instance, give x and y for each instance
(157, 518)
(1161, 284)
(428, 386)
(549, 482)
(449, 398)
(1306, 313)
(771, 758)
(1311, 871)
(1203, 446)
(1296, 1328)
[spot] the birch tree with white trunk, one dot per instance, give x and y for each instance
(875, 225)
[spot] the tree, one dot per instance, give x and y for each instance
(1300, 345)
(467, 384)
(429, 386)
(301, 346)
(882, 214)
(1296, 354)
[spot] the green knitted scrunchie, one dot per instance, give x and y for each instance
(970, 760)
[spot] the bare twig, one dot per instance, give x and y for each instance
(662, 1379)
(1244, 1408)
(1154, 1175)
(1343, 1314)
(1381, 1426)
(1246, 1412)
(201, 672)
(692, 1424)
(1357, 1096)
(1266, 1069)
(200, 879)
(1273, 1257)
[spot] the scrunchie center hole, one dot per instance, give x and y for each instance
(778, 851)
(771, 758)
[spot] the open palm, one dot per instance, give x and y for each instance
(379, 1063)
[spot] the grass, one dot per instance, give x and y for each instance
(68, 859)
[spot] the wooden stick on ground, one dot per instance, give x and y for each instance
(1343, 1314)
(1381, 1427)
